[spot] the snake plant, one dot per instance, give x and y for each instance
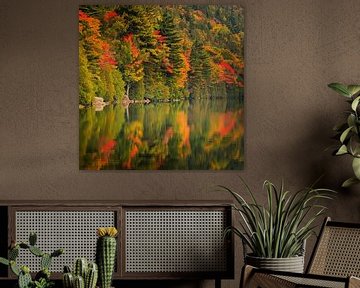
(279, 228)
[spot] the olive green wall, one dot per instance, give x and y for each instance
(293, 49)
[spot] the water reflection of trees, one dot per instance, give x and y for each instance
(203, 134)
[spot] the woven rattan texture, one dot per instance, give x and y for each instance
(338, 253)
(175, 241)
(75, 231)
(260, 280)
(306, 282)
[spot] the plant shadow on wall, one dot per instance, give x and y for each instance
(276, 232)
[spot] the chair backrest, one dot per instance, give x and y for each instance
(337, 251)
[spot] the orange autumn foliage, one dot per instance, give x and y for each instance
(135, 52)
(89, 29)
(168, 66)
(227, 73)
(134, 137)
(159, 37)
(107, 58)
(109, 15)
(107, 146)
(183, 78)
(184, 131)
(168, 135)
(227, 122)
(222, 124)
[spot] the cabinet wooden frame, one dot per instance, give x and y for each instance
(120, 209)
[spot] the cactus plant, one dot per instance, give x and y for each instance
(24, 277)
(80, 267)
(84, 274)
(79, 282)
(105, 254)
(68, 280)
(42, 278)
(91, 276)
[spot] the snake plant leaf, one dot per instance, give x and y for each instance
(356, 167)
(355, 103)
(349, 182)
(345, 134)
(353, 89)
(342, 150)
(279, 228)
(341, 89)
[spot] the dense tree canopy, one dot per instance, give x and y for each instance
(159, 52)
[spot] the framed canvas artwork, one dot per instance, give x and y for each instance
(161, 87)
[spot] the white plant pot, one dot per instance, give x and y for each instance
(291, 264)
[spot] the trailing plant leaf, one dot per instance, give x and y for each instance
(354, 146)
(355, 103)
(342, 150)
(340, 88)
(349, 131)
(349, 182)
(345, 134)
(353, 89)
(356, 167)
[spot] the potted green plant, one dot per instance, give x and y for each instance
(276, 233)
(348, 132)
(84, 274)
(42, 278)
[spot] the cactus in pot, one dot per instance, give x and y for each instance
(106, 254)
(42, 278)
(85, 275)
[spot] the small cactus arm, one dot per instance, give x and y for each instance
(45, 261)
(106, 254)
(4, 261)
(13, 253)
(32, 238)
(80, 267)
(79, 282)
(36, 251)
(24, 280)
(68, 280)
(91, 276)
(14, 268)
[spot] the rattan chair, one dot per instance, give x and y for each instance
(334, 263)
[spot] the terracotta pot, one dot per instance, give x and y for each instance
(291, 264)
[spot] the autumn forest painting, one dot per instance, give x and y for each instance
(161, 87)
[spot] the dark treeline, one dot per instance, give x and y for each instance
(160, 52)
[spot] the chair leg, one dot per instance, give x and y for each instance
(246, 273)
(217, 283)
(354, 282)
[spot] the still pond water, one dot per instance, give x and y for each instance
(198, 134)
